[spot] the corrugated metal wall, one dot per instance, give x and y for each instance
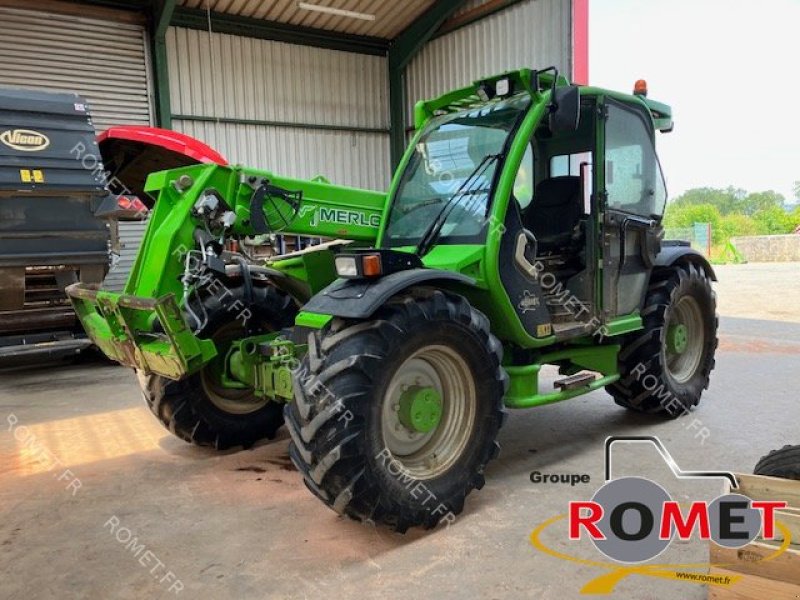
(105, 61)
(130, 238)
(233, 78)
(535, 34)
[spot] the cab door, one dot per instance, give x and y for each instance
(631, 203)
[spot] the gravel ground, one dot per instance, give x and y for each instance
(769, 291)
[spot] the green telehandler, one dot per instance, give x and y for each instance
(522, 228)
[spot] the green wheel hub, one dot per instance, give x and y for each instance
(678, 338)
(230, 396)
(420, 408)
(685, 339)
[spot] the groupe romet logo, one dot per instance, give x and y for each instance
(26, 140)
(633, 519)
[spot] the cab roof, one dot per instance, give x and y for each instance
(536, 83)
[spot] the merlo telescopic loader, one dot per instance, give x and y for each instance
(522, 228)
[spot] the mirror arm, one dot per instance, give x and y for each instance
(553, 104)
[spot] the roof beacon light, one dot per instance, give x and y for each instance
(640, 88)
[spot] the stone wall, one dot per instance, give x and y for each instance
(769, 248)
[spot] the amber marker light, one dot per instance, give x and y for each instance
(371, 265)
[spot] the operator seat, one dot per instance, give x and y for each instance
(555, 214)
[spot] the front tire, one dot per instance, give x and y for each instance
(665, 367)
(395, 418)
(199, 409)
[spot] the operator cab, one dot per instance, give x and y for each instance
(579, 234)
(566, 238)
(551, 205)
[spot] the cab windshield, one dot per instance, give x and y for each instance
(452, 172)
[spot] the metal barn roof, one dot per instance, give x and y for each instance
(377, 18)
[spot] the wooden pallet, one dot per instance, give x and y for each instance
(776, 579)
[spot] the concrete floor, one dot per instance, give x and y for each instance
(84, 468)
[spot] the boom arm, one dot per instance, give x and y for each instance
(311, 207)
(197, 208)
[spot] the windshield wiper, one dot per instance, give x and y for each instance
(432, 232)
(413, 207)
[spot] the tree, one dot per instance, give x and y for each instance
(725, 200)
(758, 201)
(684, 217)
(794, 217)
(736, 225)
(732, 212)
(773, 220)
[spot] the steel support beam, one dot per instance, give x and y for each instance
(287, 124)
(138, 6)
(402, 50)
(193, 18)
(475, 14)
(397, 115)
(163, 11)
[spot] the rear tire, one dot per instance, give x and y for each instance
(354, 451)
(783, 463)
(199, 410)
(665, 367)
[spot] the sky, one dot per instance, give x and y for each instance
(729, 69)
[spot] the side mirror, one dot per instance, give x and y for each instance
(565, 109)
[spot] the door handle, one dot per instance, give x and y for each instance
(524, 238)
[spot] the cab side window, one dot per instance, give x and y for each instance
(634, 181)
(570, 164)
(523, 183)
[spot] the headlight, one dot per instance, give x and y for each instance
(346, 266)
(354, 266)
(503, 87)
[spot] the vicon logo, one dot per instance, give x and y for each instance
(25, 140)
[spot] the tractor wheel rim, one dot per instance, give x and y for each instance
(685, 339)
(442, 375)
(235, 401)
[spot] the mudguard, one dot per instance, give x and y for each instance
(674, 252)
(360, 298)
